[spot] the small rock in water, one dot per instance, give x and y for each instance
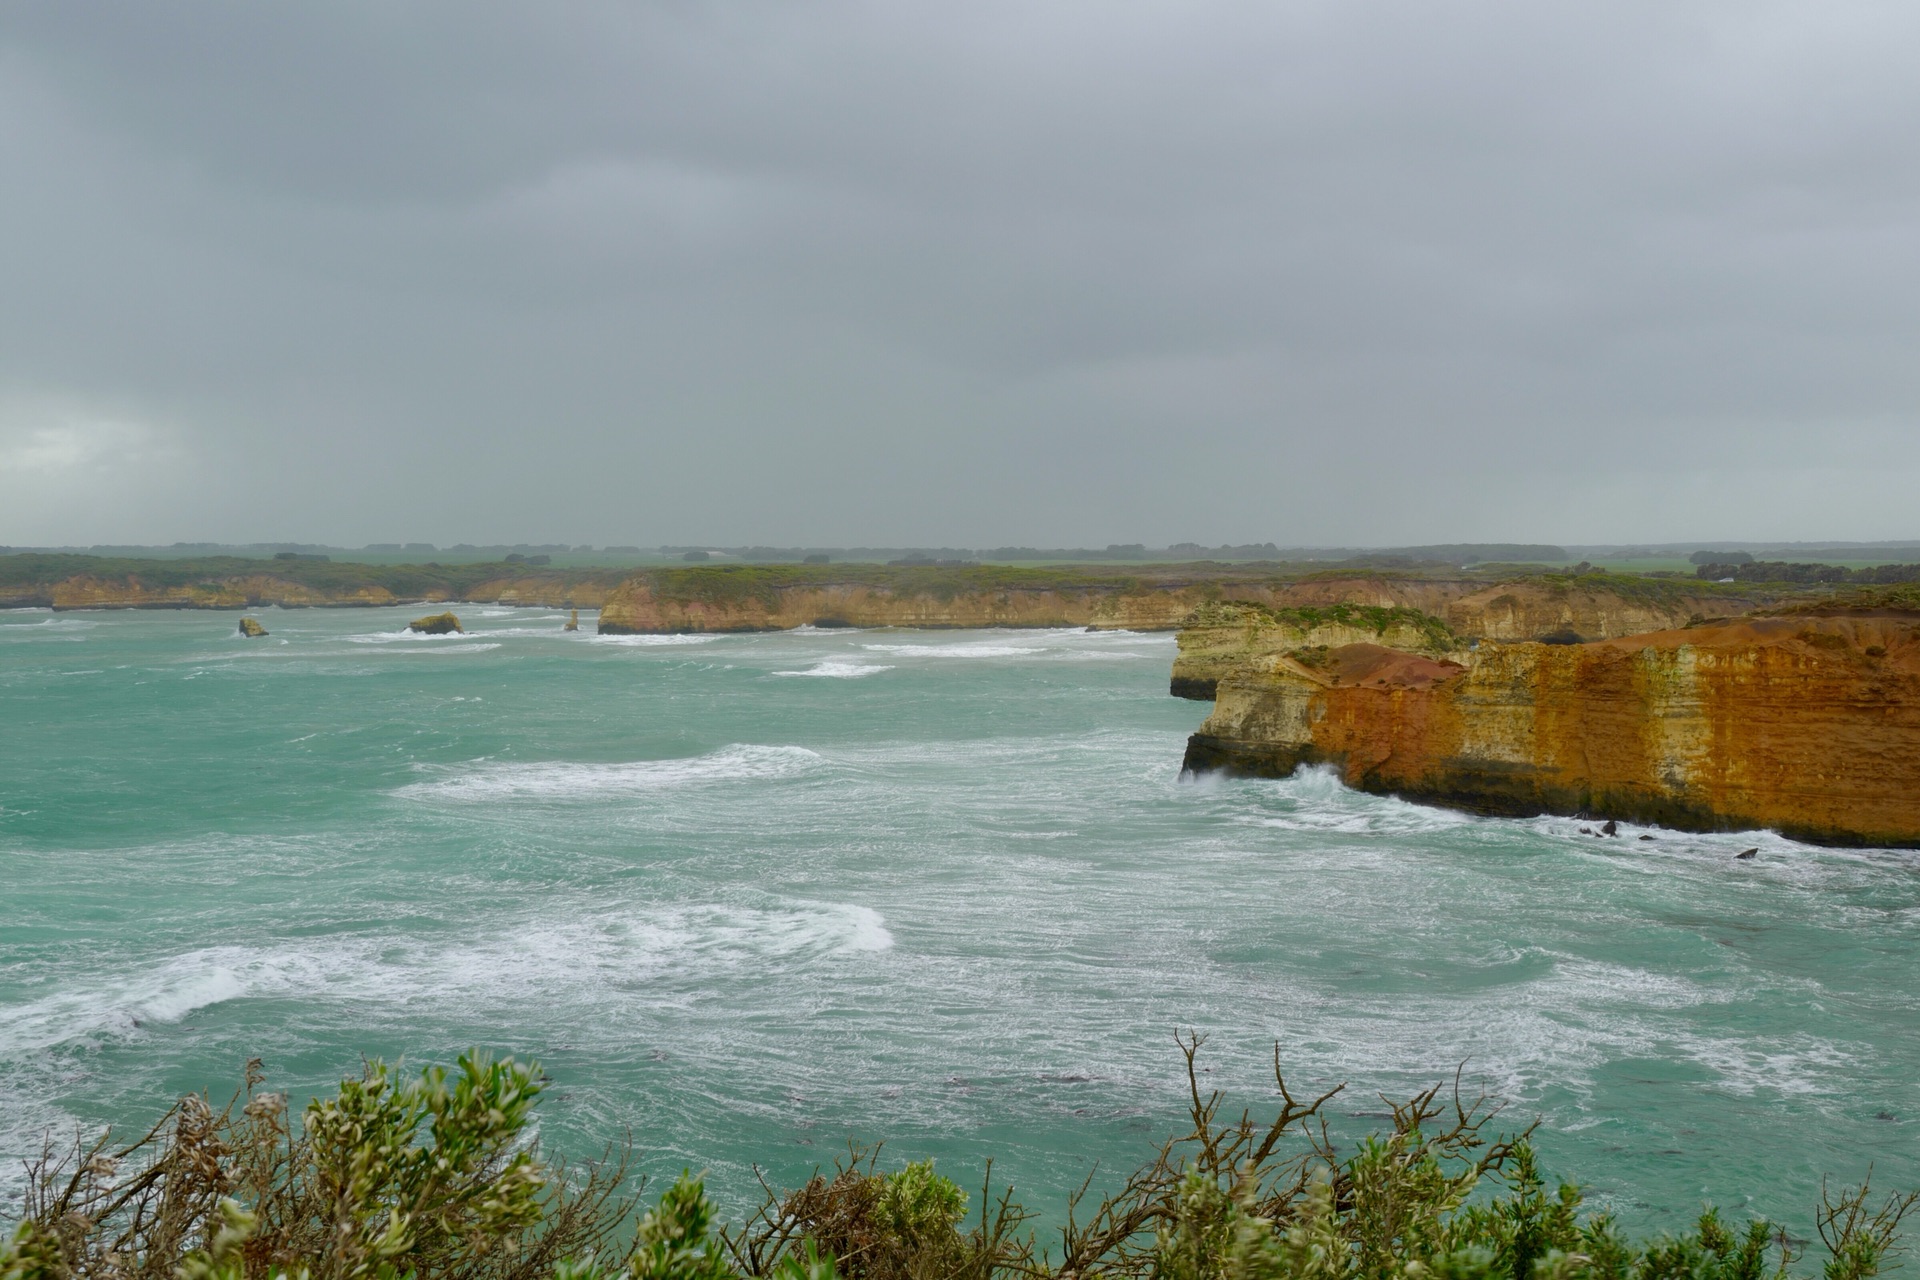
(1611, 829)
(1586, 831)
(251, 628)
(1746, 855)
(573, 623)
(1646, 837)
(438, 624)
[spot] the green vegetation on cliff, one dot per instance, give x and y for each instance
(1378, 619)
(440, 1177)
(1638, 588)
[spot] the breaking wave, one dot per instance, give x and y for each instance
(835, 669)
(983, 649)
(647, 642)
(570, 780)
(559, 956)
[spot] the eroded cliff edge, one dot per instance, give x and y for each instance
(766, 598)
(759, 598)
(1434, 617)
(1808, 724)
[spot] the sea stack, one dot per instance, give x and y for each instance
(438, 624)
(251, 628)
(573, 623)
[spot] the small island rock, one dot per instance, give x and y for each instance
(573, 623)
(438, 624)
(251, 628)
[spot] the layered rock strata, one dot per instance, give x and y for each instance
(1219, 639)
(1808, 725)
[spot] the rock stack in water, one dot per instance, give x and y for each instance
(251, 628)
(438, 624)
(573, 623)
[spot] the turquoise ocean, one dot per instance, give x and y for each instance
(746, 897)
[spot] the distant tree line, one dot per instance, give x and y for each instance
(1751, 570)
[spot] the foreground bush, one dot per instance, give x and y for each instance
(435, 1178)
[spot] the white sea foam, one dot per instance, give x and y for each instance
(837, 669)
(648, 642)
(55, 623)
(1793, 1065)
(571, 780)
(568, 953)
(54, 628)
(404, 636)
(981, 649)
(1322, 802)
(553, 631)
(164, 993)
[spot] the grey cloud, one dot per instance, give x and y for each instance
(835, 272)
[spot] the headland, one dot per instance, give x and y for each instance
(1803, 718)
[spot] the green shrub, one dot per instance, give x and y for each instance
(436, 1178)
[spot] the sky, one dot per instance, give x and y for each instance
(806, 272)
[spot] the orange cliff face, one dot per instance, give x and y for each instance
(1807, 725)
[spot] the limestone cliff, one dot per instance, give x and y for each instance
(547, 592)
(1568, 609)
(249, 591)
(634, 609)
(1218, 639)
(1430, 616)
(1806, 724)
(762, 598)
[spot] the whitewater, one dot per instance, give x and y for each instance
(747, 897)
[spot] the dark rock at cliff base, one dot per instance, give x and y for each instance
(573, 623)
(1611, 829)
(1746, 855)
(251, 628)
(439, 624)
(1194, 687)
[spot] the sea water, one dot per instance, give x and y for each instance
(748, 897)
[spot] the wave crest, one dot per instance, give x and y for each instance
(570, 780)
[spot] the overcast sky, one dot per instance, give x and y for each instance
(1082, 271)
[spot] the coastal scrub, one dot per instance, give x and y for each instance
(439, 1177)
